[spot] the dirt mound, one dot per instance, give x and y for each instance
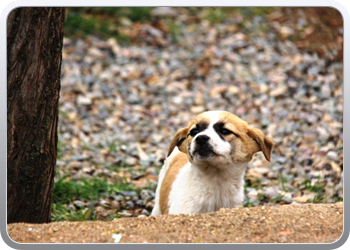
(310, 223)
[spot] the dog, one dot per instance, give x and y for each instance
(206, 162)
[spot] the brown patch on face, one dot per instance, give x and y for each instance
(249, 140)
(180, 138)
(178, 162)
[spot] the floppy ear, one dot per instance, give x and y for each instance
(260, 142)
(179, 141)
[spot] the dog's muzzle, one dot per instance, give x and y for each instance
(203, 148)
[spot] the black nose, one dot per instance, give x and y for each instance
(202, 139)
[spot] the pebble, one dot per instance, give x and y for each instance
(128, 193)
(145, 212)
(287, 198)
(118, 197)
(81, 100)
(71, 208)
(79, 204)
(279, 91)
(271, 193)
(164, 11)
(78, 158)
(75, 165)
(130, 204)
(332, 155)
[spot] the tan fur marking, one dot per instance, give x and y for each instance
(253, 139)
(178, 162)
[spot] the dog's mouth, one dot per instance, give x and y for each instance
(204, 152)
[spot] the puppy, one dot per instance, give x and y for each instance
(206, 162)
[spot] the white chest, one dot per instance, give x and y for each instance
(193, 192)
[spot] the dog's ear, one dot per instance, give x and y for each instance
(260, 142)
(179, 141)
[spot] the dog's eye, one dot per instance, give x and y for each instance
(225, 131)
(194, 131)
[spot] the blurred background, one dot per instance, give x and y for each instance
(132, 76)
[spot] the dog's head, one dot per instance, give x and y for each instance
(219, 137)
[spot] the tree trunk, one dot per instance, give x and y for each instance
(34, 53)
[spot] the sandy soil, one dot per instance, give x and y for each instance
(309, 223)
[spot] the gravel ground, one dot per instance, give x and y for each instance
(121, 105)
(313, 223)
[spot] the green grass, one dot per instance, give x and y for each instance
(317, 187)
(219, 14)
(105, 21)
(112, 145)
(319, 198)
(276, 200)
(215, 15)
(254, 11)
(67, 190)
(102, 21)
(175, 31)
(61, 213)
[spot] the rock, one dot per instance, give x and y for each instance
(79, 204)
(332, 155)
(100, 212)
(287, 198)
(146, 196)
(286, 31)
(105, 203)
(78, 157)
(217, 90)
(128, 193)
(131, 161)
(336, 167)
(76, 165)
(90, 205)
(82, 100)
(282, 160)
(197, 109)
(130, 204)
(164, 11)
(271, 193)
(149, 205)
(118, 197)
(301, 199)
(134, 99)
(145, 212)
(139, 203)
(279, 91)
(142, 155)
(126, 213)
(264, 88)
(234, 90)
(71, 208)
(251, 199)
(310, 137)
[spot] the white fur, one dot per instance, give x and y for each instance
(196, 192)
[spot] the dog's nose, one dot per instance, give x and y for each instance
(202, 139)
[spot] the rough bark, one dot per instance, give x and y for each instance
(34, 53)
